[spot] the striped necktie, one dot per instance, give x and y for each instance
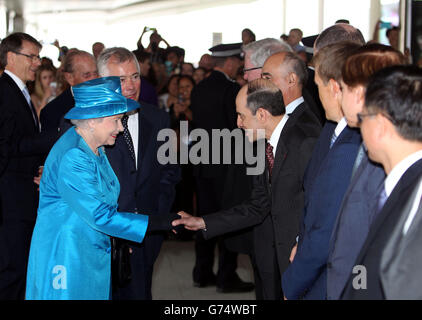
(333, 139)
(270, 158)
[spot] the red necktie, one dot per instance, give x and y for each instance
(270, 158)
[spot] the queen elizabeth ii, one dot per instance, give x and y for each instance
(70, 248)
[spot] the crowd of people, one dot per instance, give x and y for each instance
(86, 202)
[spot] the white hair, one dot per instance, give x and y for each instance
(83, 123)
(261, 50)
(118, 53)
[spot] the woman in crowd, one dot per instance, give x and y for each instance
(199, 75)
(70, 249)
(180, 111)
(165, 100)
(44, 88)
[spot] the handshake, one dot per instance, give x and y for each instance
(189, 222)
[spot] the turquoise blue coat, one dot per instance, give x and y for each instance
(70, 249)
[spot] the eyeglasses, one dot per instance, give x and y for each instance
(33, 57)
(250, 69)
(363, 115)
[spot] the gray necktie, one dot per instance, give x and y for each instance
(382, 197)
(359, 157)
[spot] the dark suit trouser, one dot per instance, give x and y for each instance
(209, 192)
(15, 241)
(270, 281)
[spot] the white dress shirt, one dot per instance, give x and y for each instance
(293, 105)
(341, 125)
(397, 172)
(275, 136)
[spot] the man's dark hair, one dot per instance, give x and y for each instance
(264, 94)
(387, 33)
(396, 92)
(180, 52)
(251, 34)
(338, 33)
(13, 42)
(343, 21)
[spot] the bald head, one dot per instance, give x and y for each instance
(288, 72)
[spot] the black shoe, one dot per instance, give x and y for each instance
(236, 286)
(207, 282)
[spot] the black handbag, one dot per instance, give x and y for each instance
(121, 272)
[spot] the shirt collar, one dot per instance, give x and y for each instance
(293, 105)
(15, 78)
(398, 171)
(341, 125)
(275, 136)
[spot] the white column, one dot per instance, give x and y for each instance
(321, 7)
(3, 19)
(284, 17)
(374, 16)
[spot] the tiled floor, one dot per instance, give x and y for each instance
(172, 278)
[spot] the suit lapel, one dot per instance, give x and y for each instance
(281, 154)
(24, 104)
(392, 204)
(396, 240)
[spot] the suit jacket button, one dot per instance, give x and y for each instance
(108, 250)
(329, 265)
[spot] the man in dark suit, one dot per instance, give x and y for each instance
(390, 126)
(325, 182)
(401, 259)
(276, 201)
(146, 186)
(238, 186)
(21, 151)
(79, 66)
(213, 107)
(357, 209)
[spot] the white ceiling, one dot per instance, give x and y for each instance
(39, 7)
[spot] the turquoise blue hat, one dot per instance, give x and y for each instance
(97, 98)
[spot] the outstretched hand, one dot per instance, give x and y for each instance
(190, 222)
